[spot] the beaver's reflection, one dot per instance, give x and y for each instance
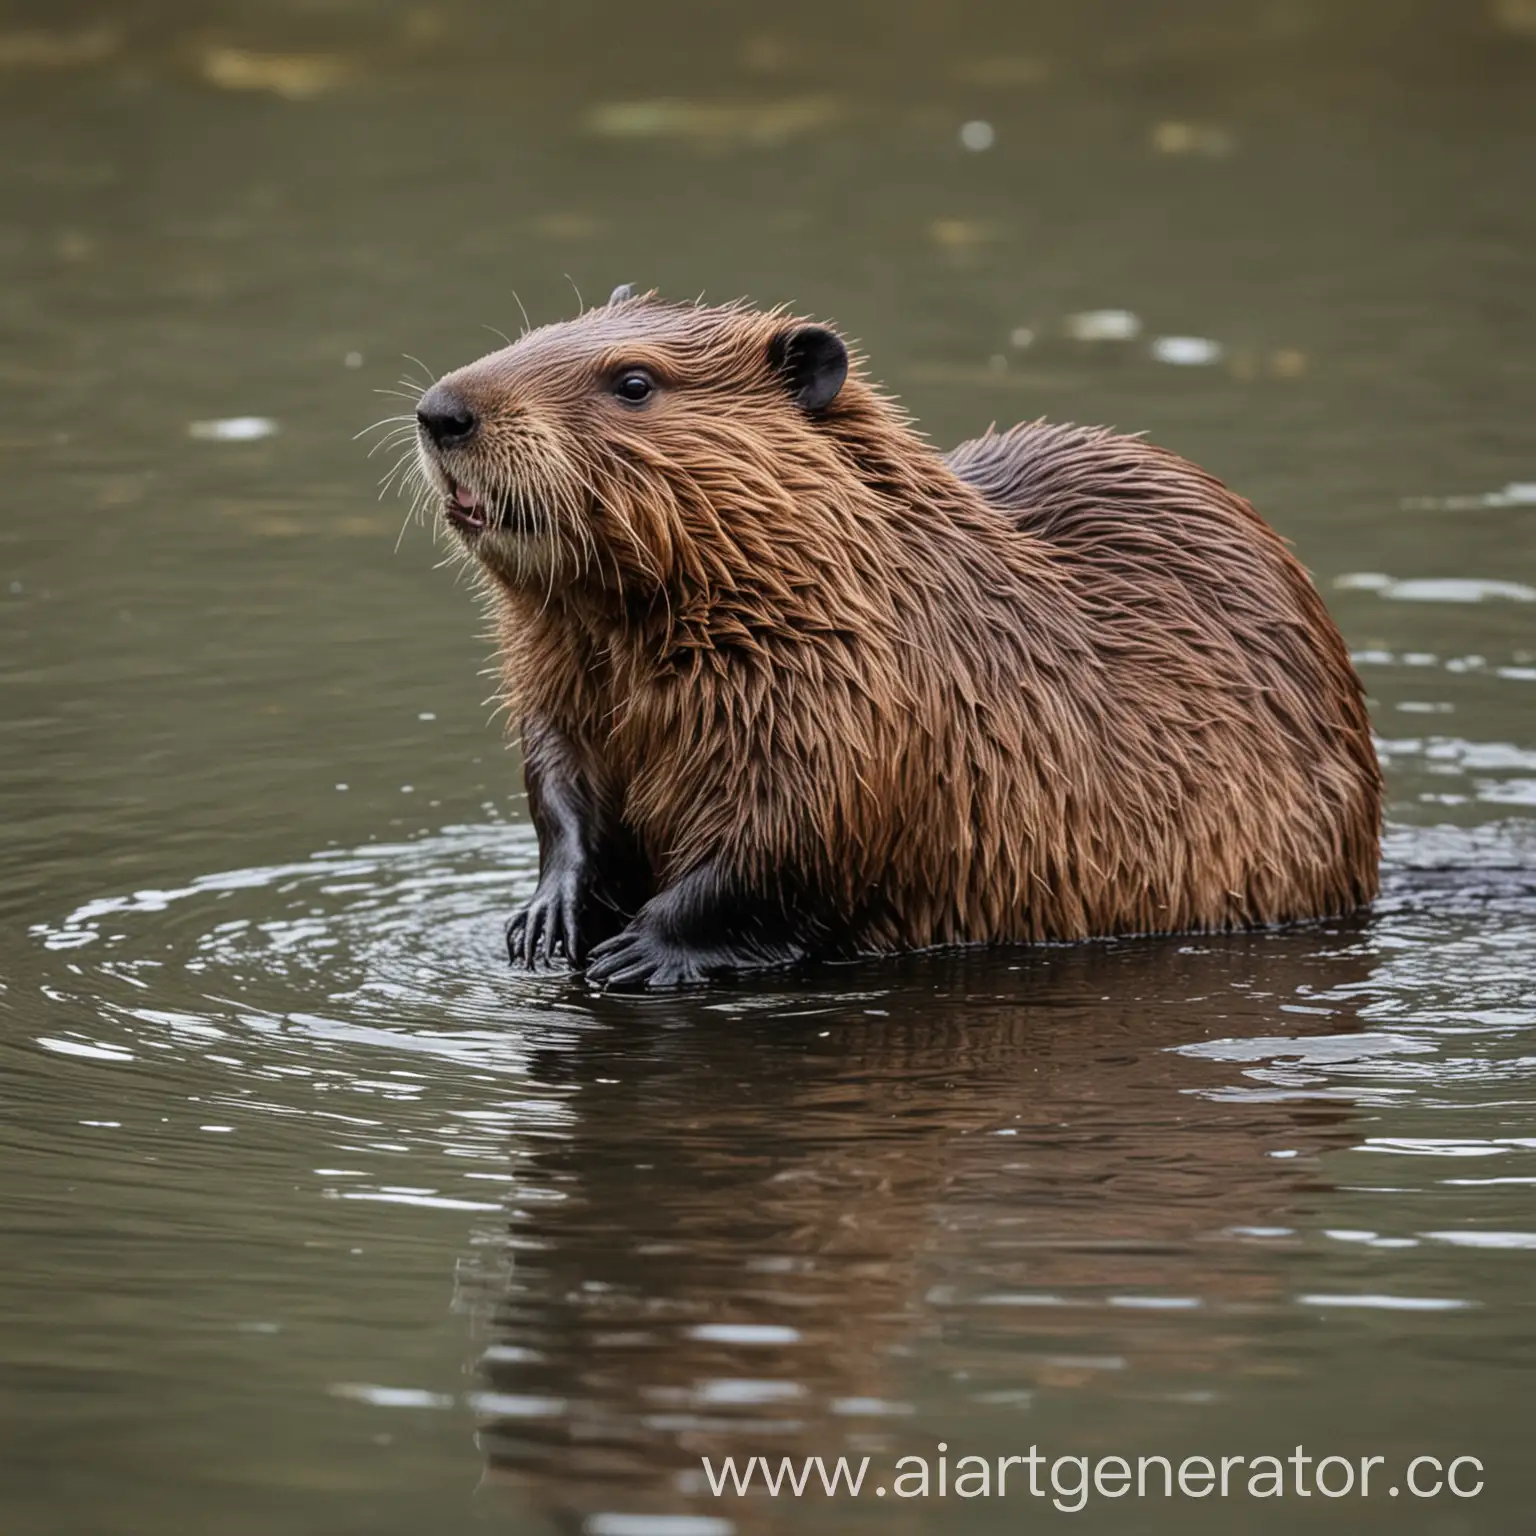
(777, 1212)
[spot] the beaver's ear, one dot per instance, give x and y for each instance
(619, 294)
(812, 361)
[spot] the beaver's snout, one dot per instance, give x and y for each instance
(446, 417)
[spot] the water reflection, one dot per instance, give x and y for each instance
(1031, 1174)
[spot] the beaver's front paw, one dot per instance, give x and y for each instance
(640, 956)
(551, 923)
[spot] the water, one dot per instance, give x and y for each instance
(317, 1219)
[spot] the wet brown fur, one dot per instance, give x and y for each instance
(1059, 684)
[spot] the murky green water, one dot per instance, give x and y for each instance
(316, 1218)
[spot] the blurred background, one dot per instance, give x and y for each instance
(258, 831)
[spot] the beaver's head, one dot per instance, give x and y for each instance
(640, 445)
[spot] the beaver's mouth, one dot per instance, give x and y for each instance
(465, 510)
(473, 516)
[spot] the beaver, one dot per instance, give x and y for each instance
(790, 683)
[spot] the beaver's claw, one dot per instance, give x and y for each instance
(641, 957)
(549, 924)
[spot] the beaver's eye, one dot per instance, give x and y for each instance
(634, 386)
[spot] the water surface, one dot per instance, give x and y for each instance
(320, 1220)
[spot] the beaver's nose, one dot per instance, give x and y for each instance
(446, 416)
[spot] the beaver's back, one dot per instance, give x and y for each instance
(1197, 609)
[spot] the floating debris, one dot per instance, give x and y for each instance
(1286, 363)
(1201, 139)
(1186, 351)
(1103, 325)
(1516, 16)
(977, 135)
(232, 429)
(764, 123)
(1004, 71)
(1021, 336)
(958, 234)
(57, 50)
(293, 76)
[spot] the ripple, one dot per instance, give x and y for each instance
(429, 1202)
(1389, 1303)
(656, 1525)
(393, 945)
(744, 1333)
(88, 1049)
(1507, 1240)
(1437, 589)
(396, 948)
(391, 1397)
